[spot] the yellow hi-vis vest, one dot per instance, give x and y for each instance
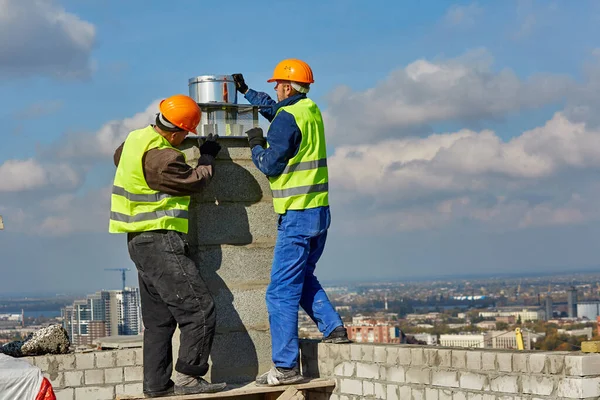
(135, 207)
(304, 183)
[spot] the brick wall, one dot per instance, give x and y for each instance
(393, 372)
(98, 375)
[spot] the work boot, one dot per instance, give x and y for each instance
(339, 335)
(279, 376)
(186, 384)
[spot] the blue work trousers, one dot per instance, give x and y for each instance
(301, 240)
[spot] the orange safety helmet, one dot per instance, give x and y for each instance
(293, 70)
(182, 111)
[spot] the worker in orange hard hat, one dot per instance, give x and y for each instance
(150, 200)
(294, 158)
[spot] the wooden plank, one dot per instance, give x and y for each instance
(245, 390)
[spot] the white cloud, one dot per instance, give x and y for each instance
(420, 183)
(22, 175)
(426, 92)
(40, 37)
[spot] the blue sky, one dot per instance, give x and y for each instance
(463, 135)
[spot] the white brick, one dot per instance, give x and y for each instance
(405, 392)
(84, 361)
(556, 364)
(444, 378)
(73, 378)
(418, 375)
(66, 362)
(369, 371)
(133, 374)
(113, 375)
(106, 359)
(379, 355)
(542, 385)
(43, 362)
(582, 365)
(520, 362)
(125, 358)
(474, 360)
(392, 355)
(459, 396)
(404, 356)
(139, 356)
(537, 363)
(431, 394)
(416, 394)
(368, 388)
(473, 381)
(344, 369)
(505, 384)
(355, 352)
(94, 392)
(504, 362)
(474, 396)
(383, 373)
(367, 352)
(488, 361)
(392, 392)
(94, 377)
(459, 359)
(395, 374)
(579, 388)
(130, 389)
(445, 358)
(56, 380)
(416, 356)
(380, 391)
(65, 394)
(351, 386)
(445, 394)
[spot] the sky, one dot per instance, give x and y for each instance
(463, 137)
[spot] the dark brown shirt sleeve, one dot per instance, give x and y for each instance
(117, 155)
(166, 170)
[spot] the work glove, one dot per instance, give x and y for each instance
(240, 84)
(211, 146)
(256, 138)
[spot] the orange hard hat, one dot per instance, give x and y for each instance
(182, 111)
(293, 70)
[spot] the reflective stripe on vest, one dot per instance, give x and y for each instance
(135, 207)
(304, 183)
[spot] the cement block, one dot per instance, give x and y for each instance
(582, 365)
(84, 361)
(395, 374)
(394, 394)
(504, 384)
(504, 361)
(368, 389)
(237, 181)
(538, 385)
(57, 380)
(129, 389)
(133, 374)
(380, 355)
(520, 362)
(418, 375)
(368, 371)
(368, 352)
(106, 359)
(459, 359)
(445, 394)
(404, 356)
(65, 394)
(444, 378)
(251, 351)
(73, 378)
(95, 392)
(231, 223)
(355, 352)
(488, 361)
(235, 266)
(459, 396)
(66, 362)
(126, 357)
(380, 391)
(139, 356)
(113, 375)
(416, 356)
(537, 362)
(474, 360)
(351, 386)
(241, 309)
(346, 369)
(578, 388)
(474, 381)
(392, 356)
(431, 394)
(556, 364)
(94, 376)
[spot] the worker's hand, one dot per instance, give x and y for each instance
(211, 146)
(240, 84)
(256, 138)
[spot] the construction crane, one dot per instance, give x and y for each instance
(123, 270)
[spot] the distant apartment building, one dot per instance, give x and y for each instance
(588, 309)
(104, 313)
(490, 339)
(523, 313)
(588, 332)
(373, 331)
